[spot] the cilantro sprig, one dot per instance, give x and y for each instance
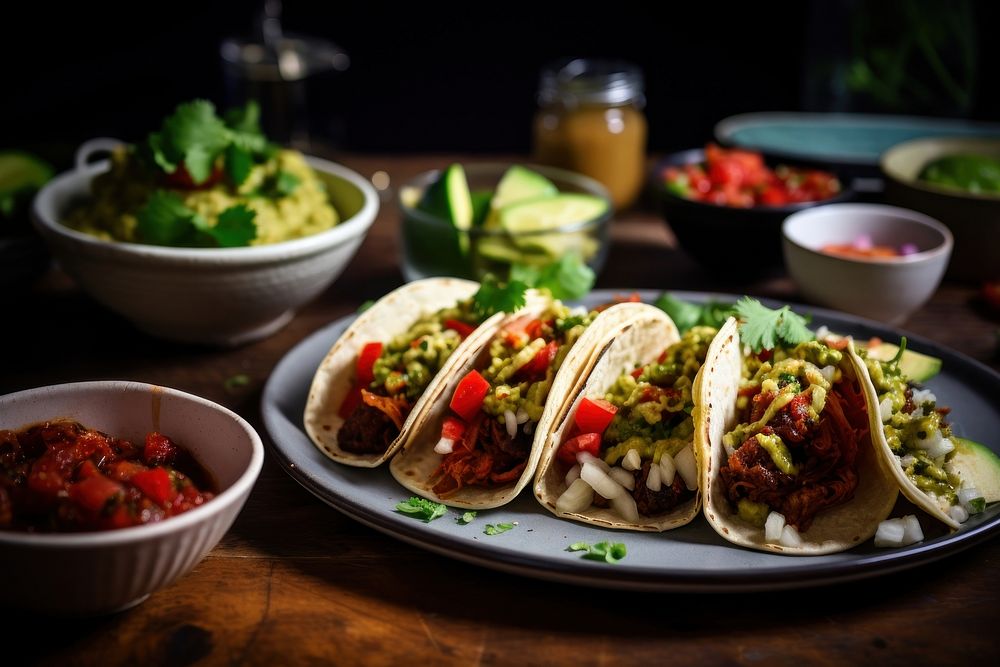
(763, 328)
(607, 551)
(166, 220)
(687, 315)
(423, 509)
(496, 529)
(495, 296)
(567, 278)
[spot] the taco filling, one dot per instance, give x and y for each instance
(801, 424)
(632, 449)
(391, 376)
(488, 435)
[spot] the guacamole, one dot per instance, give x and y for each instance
(978, 174)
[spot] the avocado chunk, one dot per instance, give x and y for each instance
(978, 466)
(914, 365)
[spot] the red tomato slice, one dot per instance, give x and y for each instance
(93, 493)
(463, 329)
(594, 415)
(540, 362)
(587, 442)
(159, 450)
(452, 428)
(366, 363)
(469, 395)
(155, 484)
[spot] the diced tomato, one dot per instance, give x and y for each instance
(452, 428)
(654, 393)
(87, 469)
(540, 362)
(765, 355)
(93, 493)
(159, 450)
(181, 179)
(469, 395)
(464, 330)
(637, 373)
(516, 331)
(350, 402)
(594, 415)
(366, 363)
(122, 471)
(155, 484)
(773, 195)
(586, 442)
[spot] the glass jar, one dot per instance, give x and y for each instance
(590, 120)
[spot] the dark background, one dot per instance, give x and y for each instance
(438, 77)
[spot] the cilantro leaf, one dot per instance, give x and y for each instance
(239, 162)
(194, 135)
(496, 529)
(236, 382)
(421, 508)
(495, 297)
(685, 315)
(466, 518)
(763, 328)
(365, 306)
(567, 278)
(244, 119)
(235, 228)
(607, 551)
(165, 220)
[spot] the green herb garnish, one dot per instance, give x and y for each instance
(421, 508)
(606, 551)
(567, 278)
(165, 220)
(496, 297)
(496, 529)
(365, 306)
(763, 328)
(236, 382)
(687, 315)
(466, 518)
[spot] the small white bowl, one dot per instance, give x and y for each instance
(888, 290)
(216, 296)
(106, 571)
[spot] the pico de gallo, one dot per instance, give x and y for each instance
(632, 449)
(61, 476)
(390, 376)
(488, 434)
(739, 178)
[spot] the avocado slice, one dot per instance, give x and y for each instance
(518, 184)
(916, 366)
(978, 465)
(449, 198)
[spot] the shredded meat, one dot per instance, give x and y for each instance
(485, 456)
(825, 451)
(373, 424)
(651, 503)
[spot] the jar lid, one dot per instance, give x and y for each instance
(591, 81)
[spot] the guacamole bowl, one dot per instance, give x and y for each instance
(214, 296)
(973, 218)
(522, 233)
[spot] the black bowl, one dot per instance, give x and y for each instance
(727, 239)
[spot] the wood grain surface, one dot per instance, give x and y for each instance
(295, 582)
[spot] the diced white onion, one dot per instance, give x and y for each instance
(578, 311)
(911, 530)
(958, 513)
(653, 478)
(576, 498)
(773, 527)
(625, 506)
(600, 481)
(967, 495)
(687, 467)
(822, 332)
(623, 477)
(921, 396)
(935, 444)
(632, 460)
(917, 413)
(521, 415)
(890, 533)
(829, 373)
(510, 421)
(907, 460)
(790, 537)
(885, 409)
(573, 474)
(587, 457)
(667, 469)
(444, 446)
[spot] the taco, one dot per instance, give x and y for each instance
(787, 459)
(935, 470)
(375, 380)
(478, 445)
(622, 456)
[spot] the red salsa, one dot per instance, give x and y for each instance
(740, 178)
(60, 476)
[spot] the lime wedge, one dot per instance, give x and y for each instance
(449, 198)
(21, 170)
(518, 184)
(553, 213)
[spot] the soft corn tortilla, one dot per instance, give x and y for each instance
(639, 340)
(390, 316)
(834, 529)
(888, 459)
(417, 461)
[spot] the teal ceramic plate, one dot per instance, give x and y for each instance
(840, 139)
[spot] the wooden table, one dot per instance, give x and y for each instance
(296, 582)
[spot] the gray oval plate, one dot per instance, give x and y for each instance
(690, 558)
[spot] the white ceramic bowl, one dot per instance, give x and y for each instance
(105, 571)
(218, 296)
(888, 290)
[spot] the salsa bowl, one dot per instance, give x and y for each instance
(215, 296)
(109, 570)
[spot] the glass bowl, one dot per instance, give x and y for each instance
(432, 246)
